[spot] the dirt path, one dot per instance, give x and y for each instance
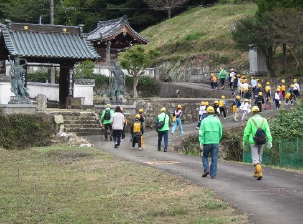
(277, 199)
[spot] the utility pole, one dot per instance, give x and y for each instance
(52, 22)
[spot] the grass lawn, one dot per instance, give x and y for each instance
(61, 184)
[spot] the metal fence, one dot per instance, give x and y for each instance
(285, 153)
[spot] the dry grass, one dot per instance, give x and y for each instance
(61, 184)
(201, 32)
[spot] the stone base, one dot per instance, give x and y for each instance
(20, 101)
(18, 108)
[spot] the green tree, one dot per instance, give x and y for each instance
(135, 61)
(85, 70)
(251, 31)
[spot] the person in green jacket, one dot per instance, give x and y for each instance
(222, 77)
(106, 116)
(164, 130)
(210, 134)
(250, 137)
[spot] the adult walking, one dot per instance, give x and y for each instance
(162, 126)
(256, 134)
(106, 116)
(222, 77)
(178, 114)
(118, 121)
(210, 134)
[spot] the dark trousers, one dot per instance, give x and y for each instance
(137, 139)
(277, 104)
(117, 136)
(259, 104)
(222, 81)
(160, 135)
(222, 110)
(106, 128)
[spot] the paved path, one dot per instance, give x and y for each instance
(277, 199)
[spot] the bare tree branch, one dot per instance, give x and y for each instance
(162, 5)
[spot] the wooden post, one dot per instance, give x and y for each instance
(64, 84)
(108, 43)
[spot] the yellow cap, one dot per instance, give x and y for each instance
(223, 97)
(108, 105)
(252, 77)
(238, 97)
(216, 102)
(259, 86)
(138, 116)
(291, 86)
(206, 103)
(246, 100)
(260, 94)
(283, 81)
(121, 108)
(163, 109)
(239, 76)
(295, 80)
(212, 74)
(202, 103)
(278, 89)
(267, 83)
(255, 109)
(210, 110)
(141, 110)
(179, 107)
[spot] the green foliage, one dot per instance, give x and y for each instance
(191, 145)
(148, 87)
(101, 79)
(232, 143)
(19, 131)
(269, 5)
(287, 124)
(85, 70)
(135, 61)
(38, 76)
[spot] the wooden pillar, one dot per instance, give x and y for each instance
(65, 83)
(108, 43)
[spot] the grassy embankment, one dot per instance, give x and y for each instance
(201, 33)
(62, 184)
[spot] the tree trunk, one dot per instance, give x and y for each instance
(169, 12)
(269, 61)
(136, 80)
(284, 59)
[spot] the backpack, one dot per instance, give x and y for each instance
(137, 128)
(161, 124)
(107, 115)
(260, 136)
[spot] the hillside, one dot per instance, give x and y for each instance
(201, 33)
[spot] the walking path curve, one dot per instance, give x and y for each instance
(277, 199)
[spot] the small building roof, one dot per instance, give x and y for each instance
(107, 30)
(47, 41)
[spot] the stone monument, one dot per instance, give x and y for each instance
(116, 85)
(17, 73)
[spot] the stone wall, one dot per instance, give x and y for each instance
(189, 107)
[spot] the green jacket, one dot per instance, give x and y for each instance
(251, 129)
(167, 121)
(102, 116)
(210, 131)
(222, 74)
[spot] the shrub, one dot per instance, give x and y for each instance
(101, 79)
(147, 86)
(19, 131)
(85, 70)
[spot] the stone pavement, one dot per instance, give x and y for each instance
(277, 199)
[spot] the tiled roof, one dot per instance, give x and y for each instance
(47, 41)
(84, 81)
(107, 29)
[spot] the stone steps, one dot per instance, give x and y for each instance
(81, 123)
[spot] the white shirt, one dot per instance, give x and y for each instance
(245, 106)
(202, 110)
(118, 121)
(253, 82)
(277, 96)
(232, 76)
(245, 86)
(296, 86)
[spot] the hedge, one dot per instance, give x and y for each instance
(19, 131)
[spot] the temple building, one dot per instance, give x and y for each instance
(47, 44)
(112, 36)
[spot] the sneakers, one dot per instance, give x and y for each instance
(224, 118)
(213, 177)
(197, 128)
(139, 148)
(132, 147)
(205, 173)
(173, 133)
